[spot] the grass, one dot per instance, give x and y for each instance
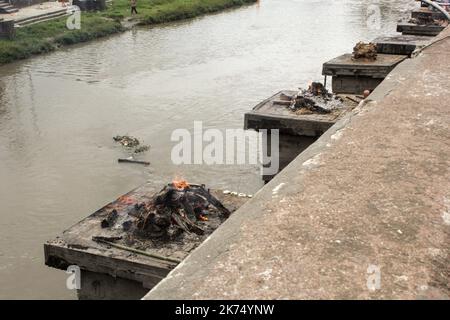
(50, 35)
(160, 11)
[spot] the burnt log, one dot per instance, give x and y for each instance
(145, 163)
(110, 219)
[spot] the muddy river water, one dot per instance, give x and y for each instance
(59, 112)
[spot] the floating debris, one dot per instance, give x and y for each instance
(130, 160)
(365, 51)
(141, 149)
(127, 141)
(131, 142)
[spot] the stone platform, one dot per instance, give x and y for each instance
(402, 44)
(355, 76)
(296, 131)
(122, 268)
(419, 30)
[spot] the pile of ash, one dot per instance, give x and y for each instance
(316, 99)
(365, 51)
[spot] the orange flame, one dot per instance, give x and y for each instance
(180, 184)
(126, 199)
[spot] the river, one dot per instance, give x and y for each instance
(59, 112)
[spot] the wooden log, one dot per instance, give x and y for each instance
(145, 163)
(282, 102)
(353, 100)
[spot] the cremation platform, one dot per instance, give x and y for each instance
(113, 269)
(419, 30)
(421, 12)
(297, 131)
(401, 44)
(269, 115)
(355, 76)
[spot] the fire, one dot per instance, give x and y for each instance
(125, 199)
(180, 184)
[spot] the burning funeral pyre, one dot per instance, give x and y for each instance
(178, 208)
(316, 99)
(365, 51)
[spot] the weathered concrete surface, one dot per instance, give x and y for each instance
(34, 11)
(420, 30)
(401, 44)
(373, 190)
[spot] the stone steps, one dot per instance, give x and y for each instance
(41, 18)
(5, 7)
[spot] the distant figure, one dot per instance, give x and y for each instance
(133, 7)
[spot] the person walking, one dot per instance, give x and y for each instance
(133, 7)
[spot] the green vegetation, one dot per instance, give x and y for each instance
(49, 35)
(160, 11)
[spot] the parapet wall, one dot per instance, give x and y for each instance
(363, 213)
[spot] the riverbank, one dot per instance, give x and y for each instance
(50, 35)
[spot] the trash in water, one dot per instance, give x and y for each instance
(141, 149)
(131, 142)
(131, 160)
(127, 141)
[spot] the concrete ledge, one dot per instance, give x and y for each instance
(374, 190)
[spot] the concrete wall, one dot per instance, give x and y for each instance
(98, 286)
(7, 29)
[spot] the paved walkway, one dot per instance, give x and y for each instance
(369, 201)
(32, 11)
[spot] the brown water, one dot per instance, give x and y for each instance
(59, 112)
